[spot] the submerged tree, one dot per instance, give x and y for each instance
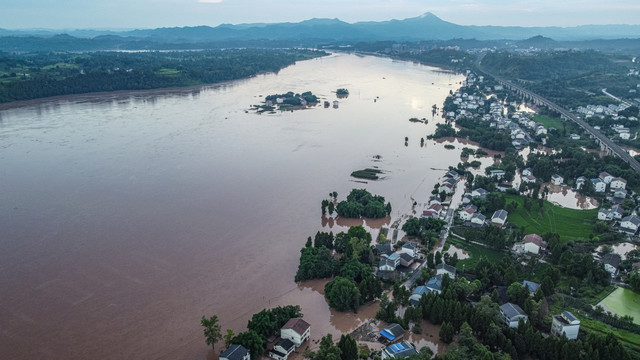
(211, 330)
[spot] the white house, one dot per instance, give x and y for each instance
(599, 185)
(528, 179)
(453, 174)
(296, 330)
(434, 210)
(619, 193)
(447, 188)
(411, 248)
(478, 219)
(480, 192)
(618, 183)
(565, 323)
(617, 212)
(467, 213)
(236, 352)
(497, 173)
(604, 214)
(503, 187)
(527, 171)
(611, 263)
(282, 349)
(386, 266)
(512, 313)
(580, 182)
(540, 130)
(629, 224)
(499, 218)
(415, 297)
(533, 244)
(389, 262)
(606, 177)
(443, 268)
(556, 179)
(406, 259)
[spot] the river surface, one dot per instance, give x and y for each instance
(125, 217)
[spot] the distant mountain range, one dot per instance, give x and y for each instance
(427, 27)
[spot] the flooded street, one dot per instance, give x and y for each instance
(126, 217)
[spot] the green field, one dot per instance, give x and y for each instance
(624, 302)
(570, 224)
(60, 65)
(549, 122)
(475, 253)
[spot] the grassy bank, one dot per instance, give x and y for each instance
(549, 122)
(475, 253)
(629, 339)
(570, 224)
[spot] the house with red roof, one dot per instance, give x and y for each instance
(296, 330)
(533, 244)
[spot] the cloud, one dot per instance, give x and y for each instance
(210, 1)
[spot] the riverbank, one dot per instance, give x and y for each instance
(63, 74)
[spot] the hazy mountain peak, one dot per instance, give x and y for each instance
(322, 21)
(429, 15)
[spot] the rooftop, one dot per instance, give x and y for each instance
(511, 310)
(400, 350)
(392, 331)
(297, 324)
(534, 238)
(447, 268)
(286, 344)
(235, 352)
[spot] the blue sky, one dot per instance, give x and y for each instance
(127, 14)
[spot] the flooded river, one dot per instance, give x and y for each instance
(125, 217)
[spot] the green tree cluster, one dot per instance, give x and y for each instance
(362, 203)
(268, 321)
(355, 283)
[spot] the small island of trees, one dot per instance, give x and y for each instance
(342, 93)
(368, 173)
(360, 202)
(287, 101)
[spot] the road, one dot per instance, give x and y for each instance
(608, 143)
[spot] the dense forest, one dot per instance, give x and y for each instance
(31, 76)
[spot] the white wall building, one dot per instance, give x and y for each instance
(565, 323)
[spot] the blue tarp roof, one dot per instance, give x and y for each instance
(387, 334)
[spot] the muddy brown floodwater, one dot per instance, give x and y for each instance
(126, 217)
